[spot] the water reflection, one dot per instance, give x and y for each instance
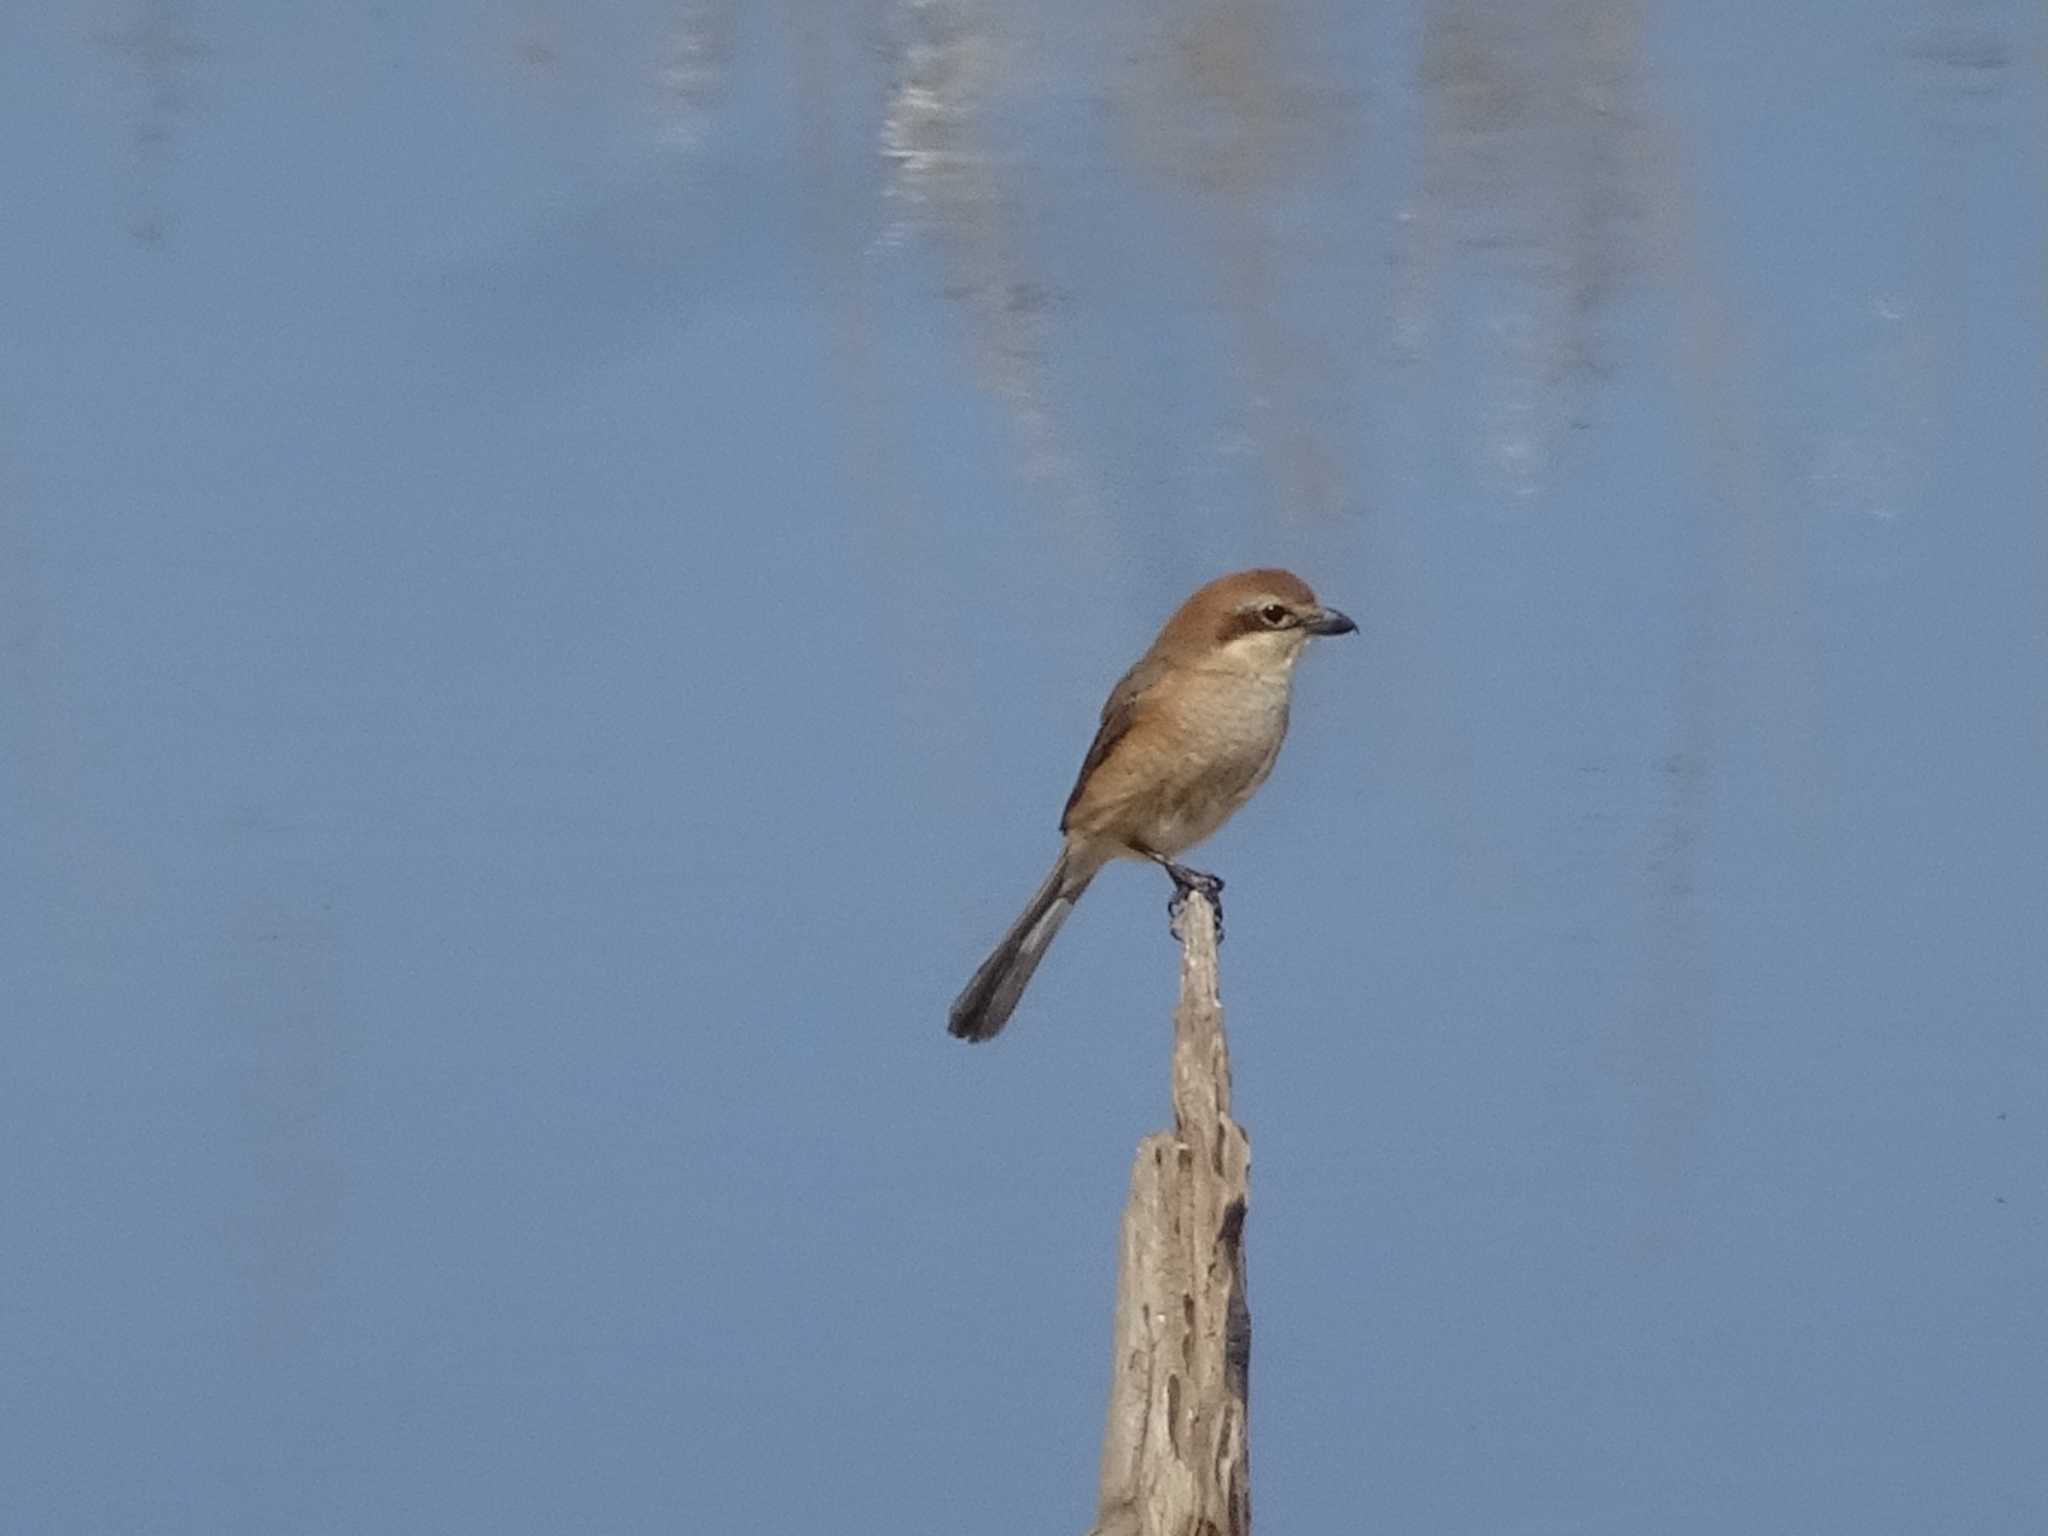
(1252, 124)
(1238, 140)
(694, 58)
(281, 997)
(1531, 160)
(158, 50)
(1666, 380)
(1964, 49)
(952, 185)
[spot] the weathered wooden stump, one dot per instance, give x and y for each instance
(1175, 1461)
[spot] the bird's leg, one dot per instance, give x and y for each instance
(1186, 880)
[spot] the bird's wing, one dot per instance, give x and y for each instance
(1118, 715)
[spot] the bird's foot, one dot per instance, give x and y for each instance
(1210, 887)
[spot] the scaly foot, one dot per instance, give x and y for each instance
(1186, 880)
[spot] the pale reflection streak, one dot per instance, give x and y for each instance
(948, 186)
(693, 61)
(1875, 463)
(681, 56)
(1242, 114)
(1878, 460)
(1745, 686)
(1970, 99)
(1532, 205)
(1531, 163)
(838, 104)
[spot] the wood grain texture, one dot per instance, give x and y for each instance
(1175, 1459)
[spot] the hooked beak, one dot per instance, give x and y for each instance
(1328, 621)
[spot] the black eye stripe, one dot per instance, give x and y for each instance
(1254, 621)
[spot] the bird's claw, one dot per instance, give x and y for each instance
(1208, 886)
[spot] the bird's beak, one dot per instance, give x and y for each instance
(1328, 621)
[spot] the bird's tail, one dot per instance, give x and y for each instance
(985, 1004)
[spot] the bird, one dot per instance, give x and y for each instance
(1185, 738)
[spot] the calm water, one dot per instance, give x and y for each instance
(557, 562)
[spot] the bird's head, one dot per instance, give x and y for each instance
(1253, 621)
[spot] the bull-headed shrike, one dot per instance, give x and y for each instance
(1187, 735)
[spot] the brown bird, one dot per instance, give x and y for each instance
(1187, 735)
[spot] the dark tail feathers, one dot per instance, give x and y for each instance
(985, 1004)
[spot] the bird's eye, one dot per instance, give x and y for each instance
(1274, 615)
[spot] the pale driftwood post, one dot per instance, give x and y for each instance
(1174, 1461)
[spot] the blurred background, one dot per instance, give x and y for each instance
(557, 563)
